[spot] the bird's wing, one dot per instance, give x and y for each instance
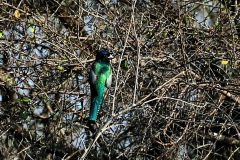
(109, 81)
(92, 80)
(92, 77)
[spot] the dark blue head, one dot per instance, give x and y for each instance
(103, 55)
(103, 52)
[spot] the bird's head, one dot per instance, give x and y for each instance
(103, 55)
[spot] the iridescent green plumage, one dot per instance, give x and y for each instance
(100, 77)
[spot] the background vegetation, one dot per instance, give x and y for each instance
(176, 83)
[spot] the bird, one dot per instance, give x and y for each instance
(100, 77)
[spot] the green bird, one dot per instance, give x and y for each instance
(100, 77)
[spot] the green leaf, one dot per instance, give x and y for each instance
(63, 3)
(228, 65)
(10, 80)
(4, 8)
(124, 64)
(45, 68)
(231, 75)
(25, 115)
(31, 29)
(1, 34)
(60, 68)
(30, 21)
(26, 99)
(32, 39)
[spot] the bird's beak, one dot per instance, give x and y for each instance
(110, 57)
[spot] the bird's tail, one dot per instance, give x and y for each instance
(96, 101)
